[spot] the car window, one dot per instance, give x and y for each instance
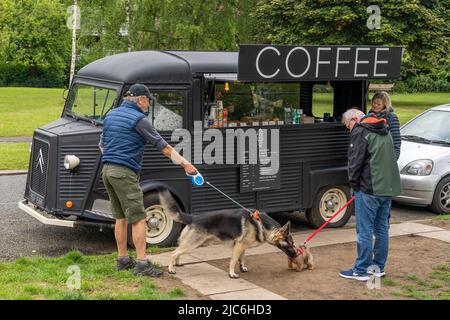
(431, 125)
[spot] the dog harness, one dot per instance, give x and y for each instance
(300, 251)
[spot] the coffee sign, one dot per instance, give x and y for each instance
(299, 63)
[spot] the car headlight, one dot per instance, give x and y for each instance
(71, 162)
(418, 168)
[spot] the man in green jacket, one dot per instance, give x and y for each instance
(375, 179)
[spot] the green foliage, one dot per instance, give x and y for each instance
(421, 27)
(161, 25)
(34, 43)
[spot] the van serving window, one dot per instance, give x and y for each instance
(238, 104)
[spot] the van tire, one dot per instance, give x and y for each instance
(436, 205)
(336, 197)
(168, 235)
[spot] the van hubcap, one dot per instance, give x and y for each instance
(159, 224)
(331, 202)
(445, 196)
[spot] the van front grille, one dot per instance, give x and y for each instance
(39, 167)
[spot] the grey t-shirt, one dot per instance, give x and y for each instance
(145, 129)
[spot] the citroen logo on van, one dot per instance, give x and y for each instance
(40, 161)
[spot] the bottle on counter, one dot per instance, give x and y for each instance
(206, 120)
(210, 121)
(225, 117)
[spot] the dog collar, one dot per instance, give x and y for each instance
(255, 215)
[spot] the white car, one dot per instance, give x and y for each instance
(424, 161)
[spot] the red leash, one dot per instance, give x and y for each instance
(329, 220)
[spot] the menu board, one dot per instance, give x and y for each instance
(258, 177)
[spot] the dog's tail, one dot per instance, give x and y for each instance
(170, 206)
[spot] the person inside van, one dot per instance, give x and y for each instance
(382, 107)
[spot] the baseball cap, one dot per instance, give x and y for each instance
(137, 90)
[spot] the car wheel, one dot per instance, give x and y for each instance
(441, 198)
(326, 203)
(162, 231)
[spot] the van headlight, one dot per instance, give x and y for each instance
(71, 162)
(418, 168)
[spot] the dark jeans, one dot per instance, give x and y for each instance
(372, 219)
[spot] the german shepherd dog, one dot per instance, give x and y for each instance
(231, 225)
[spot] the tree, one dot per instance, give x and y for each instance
(421, 27)
(162, 25)
(34, 39)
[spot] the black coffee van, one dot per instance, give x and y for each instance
(295, 95)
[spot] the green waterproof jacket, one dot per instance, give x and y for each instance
(372, 164)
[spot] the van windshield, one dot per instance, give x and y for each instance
(91, 102)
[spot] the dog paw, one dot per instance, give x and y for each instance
(233, 276)
(171, 271)
(244, 268)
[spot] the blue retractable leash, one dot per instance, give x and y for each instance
(198, 180)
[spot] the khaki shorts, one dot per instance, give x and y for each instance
(125, 194)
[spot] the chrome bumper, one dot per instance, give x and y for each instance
(44, 217)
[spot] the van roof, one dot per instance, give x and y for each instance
(160, 66)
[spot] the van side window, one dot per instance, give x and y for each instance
(168, 111)
(322, 101)
(91, 102)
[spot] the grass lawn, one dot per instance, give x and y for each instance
(14, 156)
(443, 217)
(22, 110)
(406, 106)
(47, 278)
(435, 286)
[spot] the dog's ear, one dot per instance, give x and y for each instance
(286, 229)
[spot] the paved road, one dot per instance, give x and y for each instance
(15, 139)
(22, 235)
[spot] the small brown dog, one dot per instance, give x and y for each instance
(304, 259)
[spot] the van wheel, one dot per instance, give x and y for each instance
(326, 203)
(441, 198)
(162, 231)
